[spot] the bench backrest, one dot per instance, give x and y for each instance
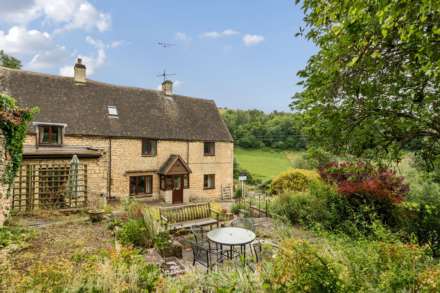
(186, 212)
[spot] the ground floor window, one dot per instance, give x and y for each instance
(209, 181)
(171, 183)
(141, 185)
(185, 181)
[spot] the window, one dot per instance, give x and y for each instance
(209, 181)
(50, 135)
(186, 181)
(209, 148)
(169, 183)
(141, 185)
(112, 110)
(149, 147)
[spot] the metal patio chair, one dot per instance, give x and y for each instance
(204, 256)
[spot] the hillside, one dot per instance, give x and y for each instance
(265, 164)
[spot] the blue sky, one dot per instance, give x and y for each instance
(243, 54)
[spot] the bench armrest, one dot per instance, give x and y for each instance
(217, 215)
(164, 220)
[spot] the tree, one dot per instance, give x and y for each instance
(373, 87)
(9, 61)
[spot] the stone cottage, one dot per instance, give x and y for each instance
(135, 142)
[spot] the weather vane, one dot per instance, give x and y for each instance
(165, 45)
(165, 75)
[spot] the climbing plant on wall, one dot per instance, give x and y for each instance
(13, 123)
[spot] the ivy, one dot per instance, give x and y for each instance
(13, 123)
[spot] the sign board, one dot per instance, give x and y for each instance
(242, 178)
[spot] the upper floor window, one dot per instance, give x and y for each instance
(149, 147)
(209, 148)
(50, 135)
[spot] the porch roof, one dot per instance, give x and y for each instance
(32, 152)
(174, 165)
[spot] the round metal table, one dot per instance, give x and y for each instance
(232, 236)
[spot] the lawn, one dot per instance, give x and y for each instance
(265, 164)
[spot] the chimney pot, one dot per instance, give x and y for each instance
(79, 72)
(167, 87)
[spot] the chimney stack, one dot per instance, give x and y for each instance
(167, 87)
(79, 74)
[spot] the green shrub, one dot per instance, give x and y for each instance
(224, 279)
(336, 263)
(316, 157)
(118, 271)
(14, 236)
(133, 232)
(299, 267)
(293, 180)
(321, 207)
(238, 193)
(236, 208)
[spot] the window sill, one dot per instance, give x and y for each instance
(142, 195)
(49, 145)
(208, 188)
(148, 156)
(209, 155)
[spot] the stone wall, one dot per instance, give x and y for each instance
(127, 160)
(4, 201)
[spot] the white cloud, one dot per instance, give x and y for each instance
(70, 14)
(18, 40)
(20, 12)
(87, 17)
(49, 58)
(251, 40)
(92, 62)
(116, 44)
(230, 32)
(216, 35)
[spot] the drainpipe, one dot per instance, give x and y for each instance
(187, 152)
(109, 172)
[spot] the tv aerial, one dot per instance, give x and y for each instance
(165, 44)
(165, 75)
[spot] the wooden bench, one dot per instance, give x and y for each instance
(181, 217)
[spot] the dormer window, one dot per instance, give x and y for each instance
(112, 111)
(50, 135)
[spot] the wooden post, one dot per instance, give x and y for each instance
(85, 186)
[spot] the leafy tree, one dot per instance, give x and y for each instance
(9, 61)
(256, 129)
(373, 87)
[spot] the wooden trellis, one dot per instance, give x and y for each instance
(46, 186)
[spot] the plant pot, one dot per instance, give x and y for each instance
(173, 250)
(96, 215)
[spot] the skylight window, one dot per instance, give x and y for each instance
(112, 111)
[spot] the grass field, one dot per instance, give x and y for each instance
(265, 164)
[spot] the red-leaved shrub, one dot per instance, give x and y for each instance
(364, 181)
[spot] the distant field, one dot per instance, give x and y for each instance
(265, 164)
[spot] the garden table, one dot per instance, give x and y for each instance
(232, 236)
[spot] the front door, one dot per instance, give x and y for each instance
(177, 189)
